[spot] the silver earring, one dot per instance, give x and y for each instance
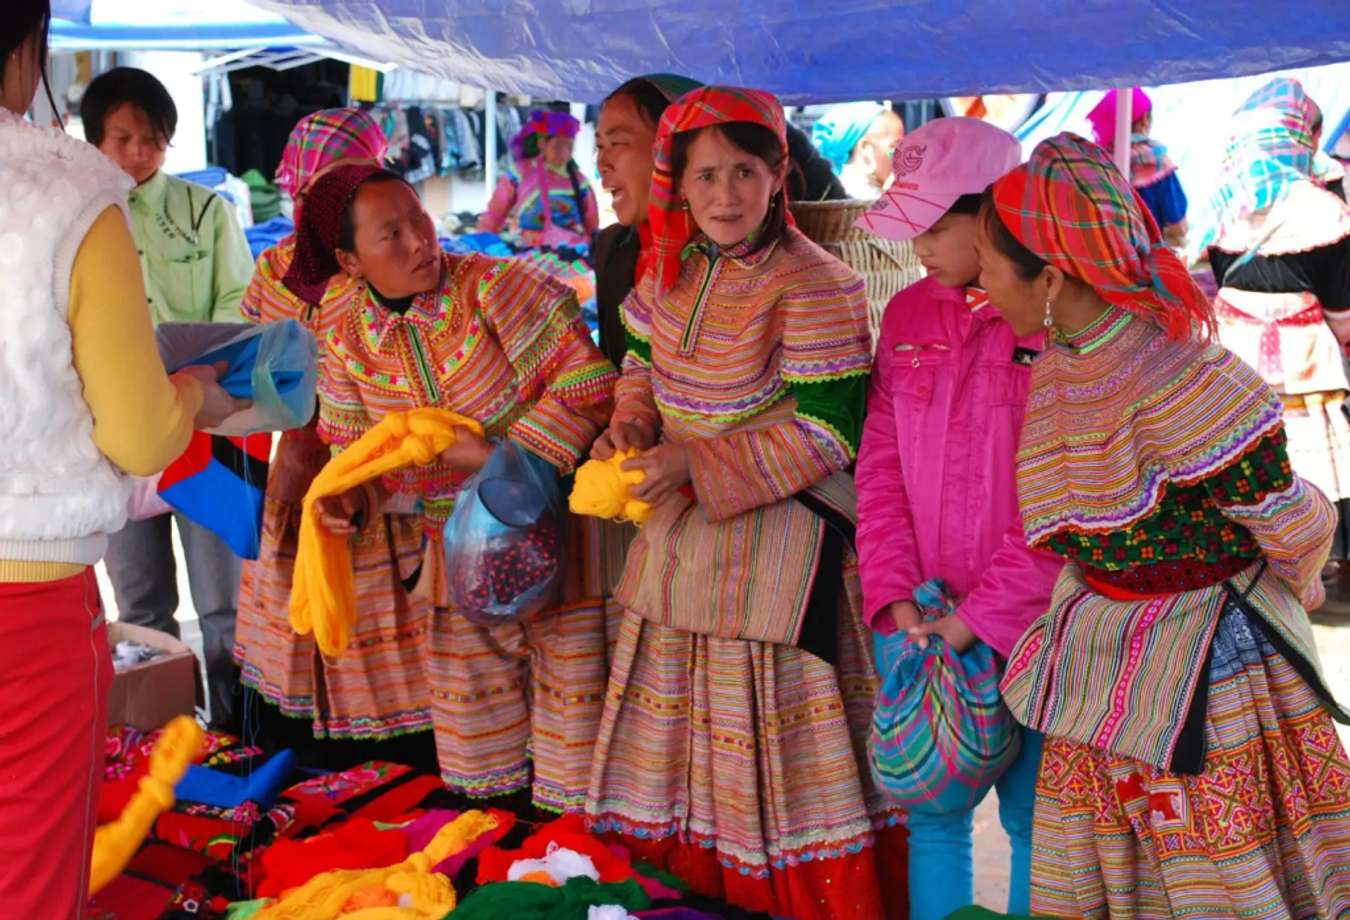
(1049, 319)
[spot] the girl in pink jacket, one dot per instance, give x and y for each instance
(936, 474)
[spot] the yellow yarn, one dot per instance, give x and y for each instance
(116, 842)
(603, 489)
(421, 893)
(323, 588)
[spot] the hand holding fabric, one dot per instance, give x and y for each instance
(666, 469)
(620, 436)
(217, 404)
(951, 628)
(469, 452)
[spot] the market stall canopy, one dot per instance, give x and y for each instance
(172, 25)
(833, 50)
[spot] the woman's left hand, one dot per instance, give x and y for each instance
(667, 469)
(469, 452)
(951, 628)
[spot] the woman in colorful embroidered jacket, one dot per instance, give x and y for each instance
(936, 492)
(502, 343)
(732, 750)
(1191, 767)
(1152, 172)
(543, 195)
(378, 690)
(1281, 256)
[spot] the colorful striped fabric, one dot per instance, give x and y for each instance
(941, 735)
(1069, 205)
(325, 136)
(705, 107)
(500, 342)
(1262, 831)
(379, 687)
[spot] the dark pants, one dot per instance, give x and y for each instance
(144, 575)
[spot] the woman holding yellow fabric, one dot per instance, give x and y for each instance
(377, 692)
(501, 343)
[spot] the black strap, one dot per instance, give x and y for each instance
(201, 215)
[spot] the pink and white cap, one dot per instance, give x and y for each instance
(934, 165)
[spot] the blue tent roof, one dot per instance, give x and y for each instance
(171, 25)
(831, 50)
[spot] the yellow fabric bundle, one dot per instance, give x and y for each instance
(116, 842)
(323, 589)
(603, 489)
(419, 893)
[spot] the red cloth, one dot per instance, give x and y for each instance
(357, 844)
(568, 832)
(55, 672)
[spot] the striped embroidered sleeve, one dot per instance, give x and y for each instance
(343, 416)
(1290, 519)
(559, 370)
(826, 356)
(633, 395)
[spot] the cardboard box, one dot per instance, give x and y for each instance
(151, 693)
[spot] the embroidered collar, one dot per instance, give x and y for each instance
(1098, 333)
(432, 311)
(740, 253)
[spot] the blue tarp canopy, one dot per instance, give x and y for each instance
(168, 25)
(832, 50)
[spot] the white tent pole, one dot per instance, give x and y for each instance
(490, 142)
(1124, 121)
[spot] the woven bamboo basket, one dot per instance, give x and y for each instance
(887, 267)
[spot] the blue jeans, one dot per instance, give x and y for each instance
(941, 877)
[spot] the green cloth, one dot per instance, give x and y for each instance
(194, 258)
(836, 403)
(983, 913)
(264, 197)
(243, 910)
(531, 901)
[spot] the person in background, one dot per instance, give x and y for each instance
(1152, 172)
(85, 402)
(543, 194)
(1281, 259)
(859, 140)
(195, 264)
(936, 473)
(624, 134)
(1190, 767)
(375, 703)
(732, 750)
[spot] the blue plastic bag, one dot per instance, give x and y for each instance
(503, 542)
(273, 364)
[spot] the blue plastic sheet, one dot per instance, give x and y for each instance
(835, 51)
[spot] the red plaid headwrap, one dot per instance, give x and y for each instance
(320, 230)
(672, 226)
(1070, 206)
(324, 136)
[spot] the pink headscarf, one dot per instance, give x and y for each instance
(324, 136)
(1103, 117)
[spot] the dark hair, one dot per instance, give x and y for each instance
(347, 233)
(19, 21)
(127, 86)
(968, 204)
(650, 101)
(750, 138)
(1026, 263)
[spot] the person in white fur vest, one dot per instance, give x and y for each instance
(84, 401)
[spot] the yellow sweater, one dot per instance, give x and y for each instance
(142, 417)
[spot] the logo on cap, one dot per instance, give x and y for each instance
(909, 158)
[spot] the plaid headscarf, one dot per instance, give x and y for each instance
(1269, 151)
(1070, 206)
(540, 124)
(320, 230)
(672, 226)
(324, 136)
